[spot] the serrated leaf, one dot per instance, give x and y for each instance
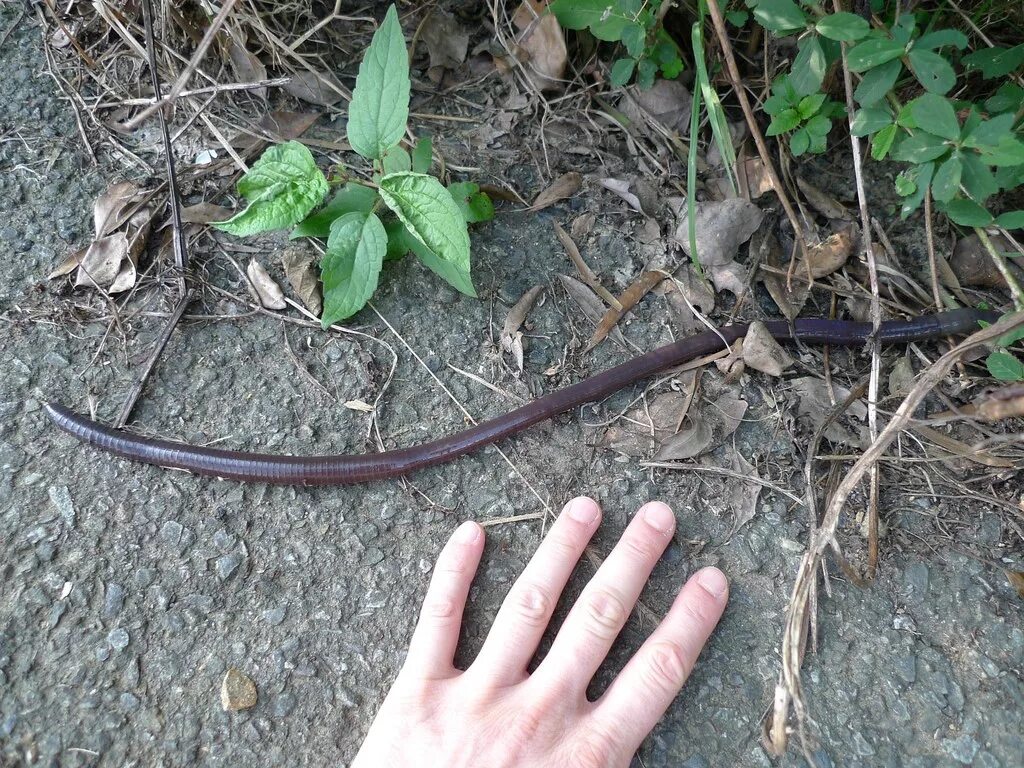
(282, 187)
(1011, 220)
(379, 110)
(966, 213)
(432, 217)
(808, 70)
(869, 120)
(946, 183)
(786, 120)
(809, 105)
(941, 38)
(645, 71)
(780, 15)
(799, 142)
(881, 143)
(843, 26)
(877, 82)
(1010, 338)
(475, 205)
(819, 125)
(936, 115)
(423, 155)
(873, 52)
(601, 17)
(351, 197)
(932, 71)
(634, 37)
(920, 148)
(351, 265)
(995, 62)
(622, 72)
(1004, 366)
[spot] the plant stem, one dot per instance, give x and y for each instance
(1004, 270)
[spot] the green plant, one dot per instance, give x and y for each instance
(634, 23)
(401, 208)
(1003, 364)
(962, 152)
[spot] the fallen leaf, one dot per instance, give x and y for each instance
(102, 261)
(644, 428)
(447, 41)
(741, 496)
(973, 266)
(685, 291)
(628, 299)
(303, 278)
(692, 440)
(278, 127)
(566, 185)
(320, 88)
(621, 188)
(113, 208)
(511, 338)
(709, 425)
(541, 47)
(202, 213)
(588, 302)
(827, 256)
(722, 226)
(901, 377)
(815, 403)
(667, 102)
(358, 405)
(731, 277)
(237, 691)
(588, 275)
(1002, 404)
(762, 352)
(582, 225)
(248, 68)
(822, 202)
(754, 178)
(267, 291)
(790, 300)
(68, 265)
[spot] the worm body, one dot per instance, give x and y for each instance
(361, 468)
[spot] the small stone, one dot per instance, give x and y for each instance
(118, 639)
(227, 565)
(103, 653)
(906, 668)
(962, 749)
(238, 691)
(274, 616)
(60, 497)
(171, 531)
(223, 540)
(113, 600)
(128, 702)
(904, 622)
(7, 726)
(283, 704)
(861, 745)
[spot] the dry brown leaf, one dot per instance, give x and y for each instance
(113, 208)
(1016, 580)
(762, 352)
(248, 68)
(278, 126)
(731, 277)
(541, 48)
(320, 88)
(511, 338)
(754, 178)
(588, 302)
(1002, 404)
(708, 427)
(267, 291)
(692, 440)
(68, 265)
(203, 213)
(667, 102)
(828, 255)
(628, 299)
(566, 185)
(685, 291)
(644, 428)
(447, 41)
(358, 405)
(303, 278)
(822, 202)
(961, 449)
(769, 253)
(582, 225)
(740, 496)
(901, 377)
(972, 265)
(621, 188)
(815, 403)
(102, 261)
(722, 226)
(588, 275)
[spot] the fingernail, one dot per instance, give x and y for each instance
(583, 510)
(714, 581)
(659, 517)
(466, 533)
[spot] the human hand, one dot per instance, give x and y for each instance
(495, 714)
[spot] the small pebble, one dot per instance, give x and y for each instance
(227, 565)
(237, 691)
(118, 639)
(113, 600)
(284, 703)
(274, 616)
(962, 749)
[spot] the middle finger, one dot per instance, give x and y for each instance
(602, 609)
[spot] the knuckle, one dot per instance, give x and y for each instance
(640, 547)
(605, 613)
(439, 608)
(667, 666)
(597, 749)
(531, 604)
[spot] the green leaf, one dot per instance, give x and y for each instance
(1011, 220)
(946, 183)
(977, 179)
(1010, 338)
(1004, 366)
(671, 68)
(922, 178)
(432, 218)
(601, 17)
(881, 143)
(872, 53)
(634, 37)
(809, 105)
(400, 242)
(622, 72)
(799, 142)
(351, 197)
(475, 205)
(396, 159)
(941, 38)
(932, 71)
(645, 72)
(819, 125)
(966, 213)
(869, 120)
(877, 82)
(995, 62)
(1009, 151)
(737, 18)
(990, 132)
(937, 115)
(1007, 98)
(423, 155)
(904, 28)
(905, 185)
(282, 187)
(808, 70)
(780, 15)
(818, 143)
(920, 148)
(379, 110)
(843, 26)
(351, 265)
(786, 120)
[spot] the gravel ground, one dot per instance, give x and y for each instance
(127, 591)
